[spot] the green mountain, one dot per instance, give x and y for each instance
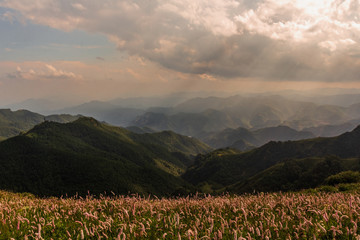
(58, 156)
(244, 139)
(296, 174)
(55, 159)
(220, 170)
(14, 122)
(61, 118)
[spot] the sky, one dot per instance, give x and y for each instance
(82, 50)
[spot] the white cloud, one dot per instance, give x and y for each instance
(213, 15)
(46, 72)
(78, 6)
(285, 39)
(53, 72)
(304, 20)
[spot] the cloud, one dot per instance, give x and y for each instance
(268, 39)
(52, 72)
(304, 20)
(78, 6)
(46, 72)
(133, 73)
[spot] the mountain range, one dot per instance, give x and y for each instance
(14, 122)
(217, 114)
(54, 159)
(244, 139)
(236, 121)
(246, 143)
(105, 111)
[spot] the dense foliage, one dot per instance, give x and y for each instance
(343, 177)
(262, 216)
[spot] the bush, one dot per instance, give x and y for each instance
(343, 177)
(328, 189)
(348, 187)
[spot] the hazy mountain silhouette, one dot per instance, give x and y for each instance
(244, 139)
(105, 111)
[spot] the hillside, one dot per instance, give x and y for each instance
(220, 170)
(296, 174)
(54, 159)
(14, 122)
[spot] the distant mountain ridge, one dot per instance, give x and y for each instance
(105, 111)
(244, 139)
(206, 118)
(218, 114)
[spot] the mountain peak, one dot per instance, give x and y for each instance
(88, 120)
(51, 125)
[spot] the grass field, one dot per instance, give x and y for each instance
(262, 216)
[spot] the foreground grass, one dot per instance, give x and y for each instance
(263, 216)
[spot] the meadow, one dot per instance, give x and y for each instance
(259, 216)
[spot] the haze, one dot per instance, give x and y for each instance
(89, 49)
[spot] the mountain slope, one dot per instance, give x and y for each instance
(14, 122)
(224, 170)
(55, 159)
(296, 174)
